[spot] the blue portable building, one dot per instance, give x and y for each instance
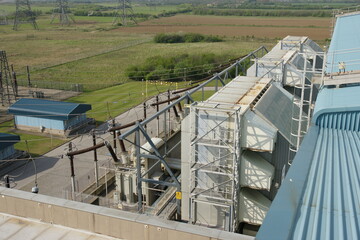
(7, 142)
(49, 116)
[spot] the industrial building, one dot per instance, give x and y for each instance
(270, 155)
(47, 116)
(320, 194)
(7, 142)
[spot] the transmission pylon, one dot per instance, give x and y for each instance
(62, 11)
(24, 14)
(151, 5)
(124, 13)
(3, 17)
(7, 91)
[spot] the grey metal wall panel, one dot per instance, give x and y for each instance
(276, 106)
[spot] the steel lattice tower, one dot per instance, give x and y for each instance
(62, 12)
(124, 12)
(3, 18)
(151, 5)
(7, 92)
(24, 14)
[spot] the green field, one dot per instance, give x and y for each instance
(92, 53)
(38, 145)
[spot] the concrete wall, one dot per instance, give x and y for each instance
(106, 221)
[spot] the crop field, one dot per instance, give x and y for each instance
(259, 27)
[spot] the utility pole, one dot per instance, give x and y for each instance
(7, 91)
(73, 186)
(124, 13)
(28, 76)
(95, 159)
(24, 14)
(62, 11)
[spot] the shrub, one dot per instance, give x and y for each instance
(187, 37)
(176, 68)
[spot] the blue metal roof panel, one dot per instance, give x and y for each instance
(320, 196)
(7, 140)
(330, 205)
(345, 42)
(47, 108)
(337, 100)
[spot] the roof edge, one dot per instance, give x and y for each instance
(280, 219)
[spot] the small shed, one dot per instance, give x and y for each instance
(47, 116)
(7, 142)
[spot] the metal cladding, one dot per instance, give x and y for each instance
(345, 42)
(280, 114)
(47, 109)
(7, 140)
(320, 195)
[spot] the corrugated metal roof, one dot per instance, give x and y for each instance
(345, 42)
(7, 140)
(16, 228)
(319, 199)
(47, 108)
(337, 100)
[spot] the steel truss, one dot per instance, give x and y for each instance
(124, 13)
(143, 129)
(62, 11)
(24, 14)
(7, 84)
(214, 163)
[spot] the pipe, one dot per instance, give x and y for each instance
(185, 89)
(124, 126)
(92, 148)
(165, 101)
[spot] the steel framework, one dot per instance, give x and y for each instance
(62, 12)
(302, 102)
(124, 13)
(24, 14)
(140, 128)
(214, 165)
(3, 18)
(7, 88)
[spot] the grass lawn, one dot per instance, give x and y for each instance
(109, 68)
(38, 145)
(110, 102)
